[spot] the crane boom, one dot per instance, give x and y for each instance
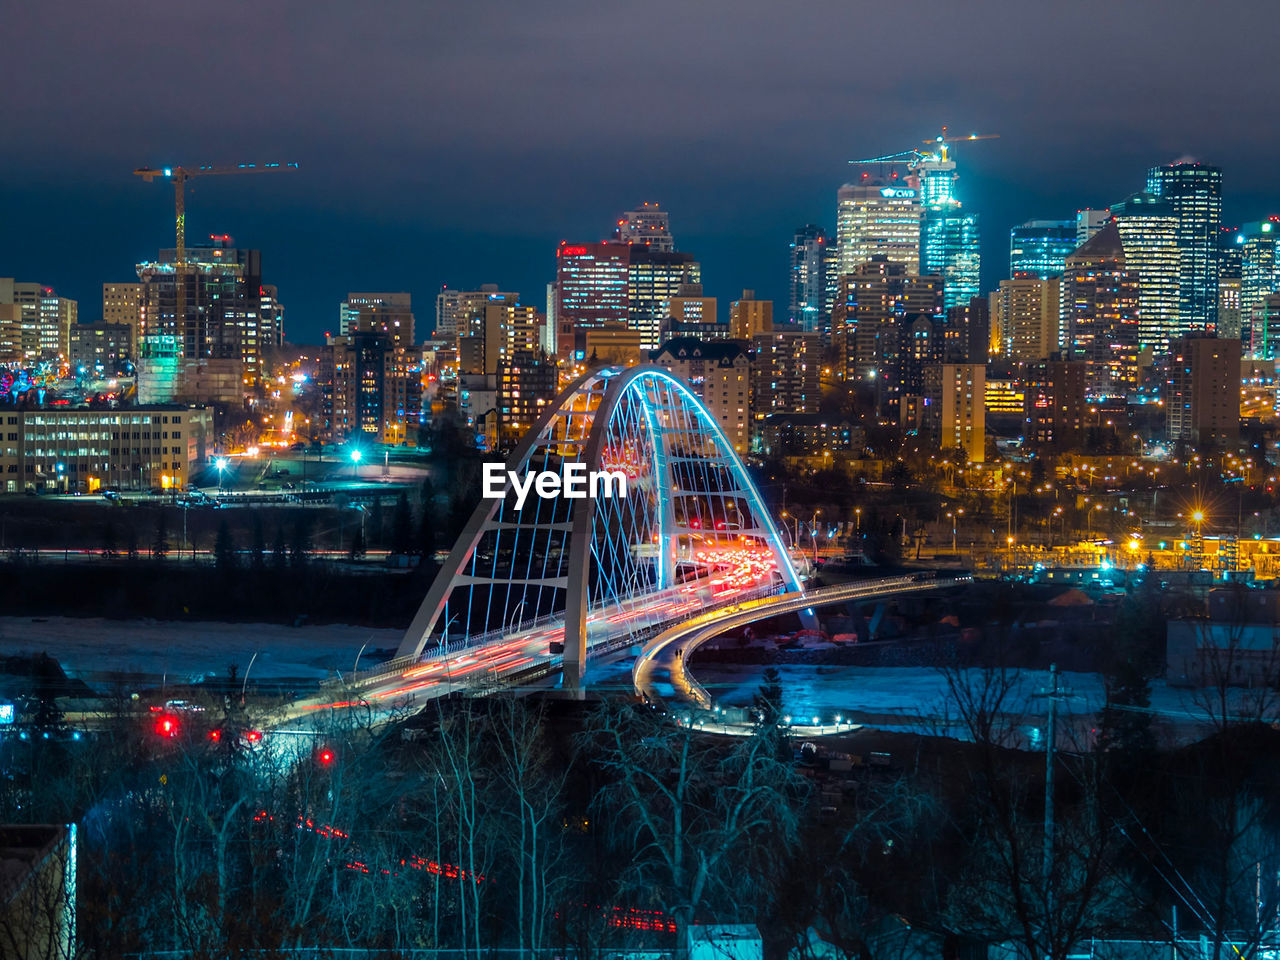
(180, 176)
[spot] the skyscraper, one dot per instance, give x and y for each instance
(807, 282)
(591, 291)
(1039, 248)
(1102, 315)
(949, 245)
(649, 225)
(654, 276)
(1149, 232)
(878, 214)
(1258, 262)
(1202, 396)
(1194, 191)
(749, 317)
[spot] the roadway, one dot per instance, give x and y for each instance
(660, 672)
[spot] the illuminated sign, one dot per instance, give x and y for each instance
(573, 251)
(897, 192)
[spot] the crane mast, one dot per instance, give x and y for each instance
(180, 176)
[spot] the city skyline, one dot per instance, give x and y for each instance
(436, 196)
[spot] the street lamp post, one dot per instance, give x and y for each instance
(221, 464)
(355, 464)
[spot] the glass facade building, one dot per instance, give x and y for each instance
(807, 305)
(1039, 248)
(1194, 192)
(1148, 229)
(878, 214)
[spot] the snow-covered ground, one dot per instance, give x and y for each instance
(185, 652)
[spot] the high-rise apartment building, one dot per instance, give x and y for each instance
(719, 374)
(224, 319)
(1054, 404)
(1027, 309)
(502, 331)
(749, 317)
(877, 297)
(526, 387)
(807, 305)
(39, 328)
(649, 225)
(1202, 396)
(949, 245)
(957, 410)
(1230, 288)
(456, 310)
(1102, 297)
(786, 368)
(390, 314)
(1039, 248)
(967, 332)
(369, 389)
(1149, 232)
(878, 214)
(1194, 192)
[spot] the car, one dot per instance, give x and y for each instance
(298, 446)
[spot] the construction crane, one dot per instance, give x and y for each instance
(913, 158)
(180, 176)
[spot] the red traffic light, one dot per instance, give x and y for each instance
(253, 736)
(325, 756)
(215, 735)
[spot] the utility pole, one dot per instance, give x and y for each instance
(1054, 693)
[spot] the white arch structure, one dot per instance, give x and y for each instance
(691, 528)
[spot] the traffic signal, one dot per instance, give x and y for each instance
(167, 725)
(325, 756)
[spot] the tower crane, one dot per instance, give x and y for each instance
(913, 158)
(180, 176)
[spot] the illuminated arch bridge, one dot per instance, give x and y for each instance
(691, 532)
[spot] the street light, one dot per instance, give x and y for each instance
(355, 464)
(221, 464)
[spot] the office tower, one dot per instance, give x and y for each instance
(749, 316)
(1026, 310)
(526, 387)
(831, 283)
(122, 303)
(957, 407)
(1259, 265)
(100, 349)
(1102, 297)
(689, 306)
(878, 214)
(649, 226)
(11, 340)
(39, 328)
(271, 314)
(786, 367)
(1054, 403)
(966, 333)
(719, 374)
(654, 276)
(1089, 222)
(1263, 331)
(1039, 248)
(807, 281)
(370, 389)
(1194, 192)
(1149, 232)
(390, 314)
(591, 290)
(1202, 396)
(949, 245)
(1230, 262)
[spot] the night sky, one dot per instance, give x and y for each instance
(460, 142)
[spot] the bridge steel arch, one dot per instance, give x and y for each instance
(691, 523)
